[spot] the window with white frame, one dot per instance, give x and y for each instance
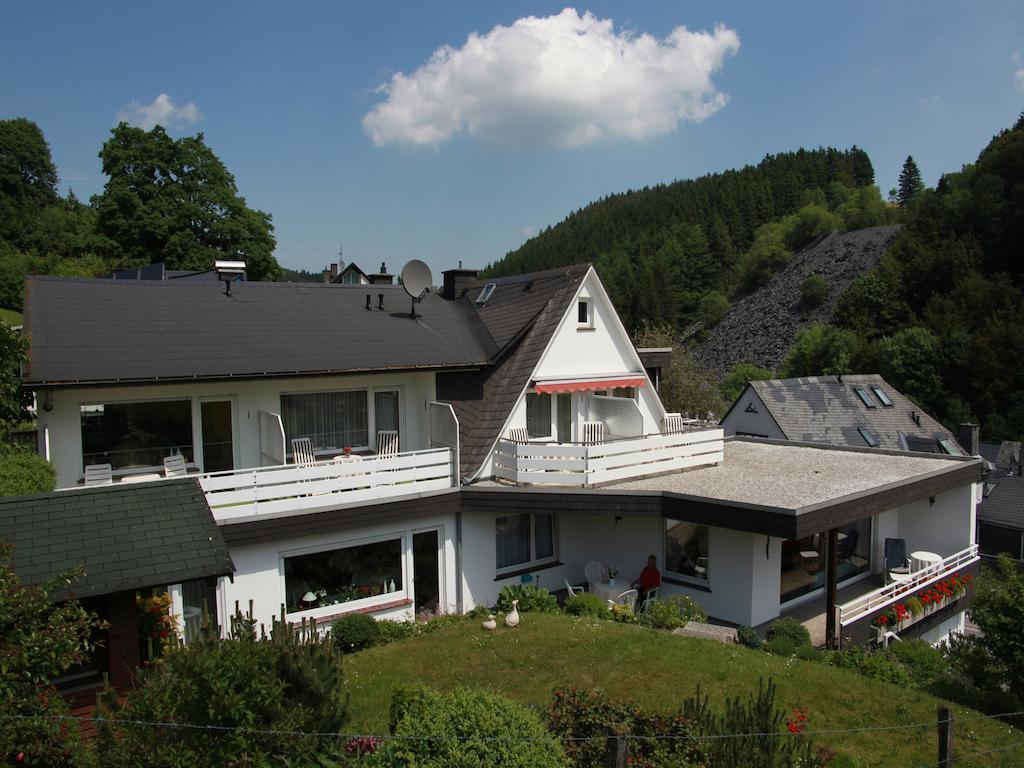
(336, 420)
(584, 318)
(523, 540)
(538, 414)
(686, 550)
(345, 575)
(137, 434)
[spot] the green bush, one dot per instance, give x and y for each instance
(531, 599)
(355, 631)
(712, 309)
(587, 604)
(924, 663)
(809, 653)
(390, 631)
(780, 646)
(672, 612)
(790, 629)
(23, 472)
(623, 614)
(813, 292)
(748, 637)
(465, 728)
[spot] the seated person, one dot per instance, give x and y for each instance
(650, 578)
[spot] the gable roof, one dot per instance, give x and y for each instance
(827, 409)
(521, 316)
(103, 331)
(1002, 502)
(124, 536)
(350, 267)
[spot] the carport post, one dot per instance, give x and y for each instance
(831, 570)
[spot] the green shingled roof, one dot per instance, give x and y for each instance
(124, 536)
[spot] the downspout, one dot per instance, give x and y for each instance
(459, 607)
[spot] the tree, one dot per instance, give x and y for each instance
(736, 379)
(23, 472)
(813, 292)
(173, 200)
(13, 400)
(821, 350)
(998, 610)
(38, 642)
(910, 184)
(28, 179)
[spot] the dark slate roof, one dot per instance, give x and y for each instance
(124, 536)
(1003, 499)
(96, 331)
(521, 315)
(825, 409)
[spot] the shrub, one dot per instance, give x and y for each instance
(924, 663)
(389, 631)
(813, 292)
(748, 637)
(355, 631)
(808, 653)
(531, 599)
(674, 611)
(23, 472)
(623, 614)
(587, 604)
(712, 309)
(780, 646)
(790, 629)
(506, 733)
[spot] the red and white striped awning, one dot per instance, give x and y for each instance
(589, 385)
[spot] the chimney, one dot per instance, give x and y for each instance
(326, 274)
(382, 277)
(967, 435)
(456, 281)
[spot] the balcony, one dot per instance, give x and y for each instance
(577, 464)
(331, 484)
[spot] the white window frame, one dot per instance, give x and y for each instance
(683, 577)
(534, 561)
(402, 592)
(371, 415)
(550, 436)
(588, 324)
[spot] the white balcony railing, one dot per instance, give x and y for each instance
(882, 597)
(326, 484)
(588, 465)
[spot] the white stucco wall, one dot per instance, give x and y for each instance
(942, 632)
(740, 420)
(943, 527)
(259, 574)
(249, 397)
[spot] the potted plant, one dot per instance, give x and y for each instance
(613, 571)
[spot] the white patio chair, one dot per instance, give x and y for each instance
(98, 474)
(593, 432)
(302, 452)
(518, 435)
(650, 597)
(387, 442)
(174, 466)
(672, 423)
(628, 598)
(595, 573)
(572, 591)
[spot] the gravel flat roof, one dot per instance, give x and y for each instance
(788, 476)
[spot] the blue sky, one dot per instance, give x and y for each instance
(460, 161)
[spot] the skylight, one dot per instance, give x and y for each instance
(868, 436)
(949, 447)
(485, 294)
(882, 397)
(864, 397)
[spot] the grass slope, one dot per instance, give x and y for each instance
(658, 670)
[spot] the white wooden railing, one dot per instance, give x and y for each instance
(902, 590)
(587, 465)
(325, 484)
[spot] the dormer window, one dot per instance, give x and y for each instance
(584, 318)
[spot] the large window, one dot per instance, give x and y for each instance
(343, 575)
(804, 561)
(127, 435)
(332, 420)
(525, 539)
(686, 550)
(538, 414)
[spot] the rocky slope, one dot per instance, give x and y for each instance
(761, 327)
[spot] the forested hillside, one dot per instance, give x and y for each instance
(665, 250)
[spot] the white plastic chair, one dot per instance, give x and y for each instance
(595, 573)
(174, 466)
(628, 598)
(387, 442)
(573, 591)
(302, 452)
(650, 597)
(672, 423)
(518, 435)
(593, 432)
(99, 474)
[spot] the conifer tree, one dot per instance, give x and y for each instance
(910, 184)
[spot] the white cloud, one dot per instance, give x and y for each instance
(1018, 71)
(528, 231)
(162, 111)
(563, 80)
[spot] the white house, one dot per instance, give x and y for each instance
(530, 442)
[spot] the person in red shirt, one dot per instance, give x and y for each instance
(650, 578)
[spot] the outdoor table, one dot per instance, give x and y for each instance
(923, 559)
(145, 478)
(610, 591)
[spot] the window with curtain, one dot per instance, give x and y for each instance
(538, 414)
(127, 435)
(332, 420)
(523, 539)
(385, 411)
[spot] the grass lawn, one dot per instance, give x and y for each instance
(10, 317)
(658, 670)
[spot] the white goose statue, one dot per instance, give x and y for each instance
(512, 619)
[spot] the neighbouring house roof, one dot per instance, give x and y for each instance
(124, 536)
(350, 267)
(521, 316)
(827, 409)
(102, 331)
(1003, 497)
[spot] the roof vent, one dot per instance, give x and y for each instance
(916, 417)
(485, 294)
(228, 272)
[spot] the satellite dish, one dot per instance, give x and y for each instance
(416, 279)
